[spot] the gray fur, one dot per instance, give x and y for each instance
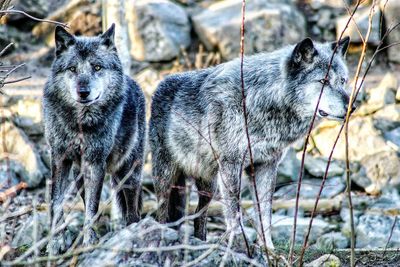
(87, 93)
(197, 125)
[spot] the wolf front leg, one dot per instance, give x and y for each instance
(60, 169)
(265, 176)
(228, 181)
(93, 180)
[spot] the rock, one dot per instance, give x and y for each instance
(159, 30)
(364, 140)
(24, 152)
(83, 17)
(268, 26)
(380, 96)
(393, 136)
(327, 260)
(310, 187)
(361, 17)
(378, 171)
(282, 229)
(373, 231)
(333, 240)
(392, 11)
(289, 167)
(140, 244)
(398, 94)
(317, 166)
(27, 113)
(10, 34)
(388, 118)
(8, 175)
(385, 205)
(148, 80)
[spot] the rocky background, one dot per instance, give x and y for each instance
(168, 36)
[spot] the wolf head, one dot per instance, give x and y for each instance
(86, 70)
(307, 68)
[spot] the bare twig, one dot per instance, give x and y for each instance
(12, 11)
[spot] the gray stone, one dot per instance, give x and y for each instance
(27, 113)
(385, 205)
(393, 136)
(391, 17)
(361, 17)
(282, 228)
(317, 166)
(365, 140)
(159, 30)
(327, 260)
(380, 96)
(378, 171)
(289, 167)
(388, 118)
(23, 151)
(268, 26)
(310, 188)
(373, 231)
(333, 240)
(140, 244)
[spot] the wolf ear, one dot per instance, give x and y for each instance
(304, 52)
(107, 37)
(63, 40)
(342, 44)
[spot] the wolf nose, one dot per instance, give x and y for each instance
(83, 93)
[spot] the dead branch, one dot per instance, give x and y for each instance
(12, 191)
(12, 11)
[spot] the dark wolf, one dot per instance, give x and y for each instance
(197, 125)
(95, 124)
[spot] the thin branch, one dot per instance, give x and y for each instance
(12, 11)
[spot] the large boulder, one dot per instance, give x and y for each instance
(24, 153)
(159, 29)
(28, 116)
(268, 26)
(364, 139)
(392, 11)
(387, 118)
(380, 96)
(310, 188)
(378, 171)
(360, 23)
(282, 228)
(374, 231)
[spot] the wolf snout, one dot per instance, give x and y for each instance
(83, 93)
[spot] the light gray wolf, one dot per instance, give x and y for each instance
(94, 118)
(197, 126)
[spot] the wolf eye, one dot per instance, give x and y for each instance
(324, 82)
(72, 69)
(343, 80)
(97, 68)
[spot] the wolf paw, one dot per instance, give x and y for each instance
(56, 245)
(90, 238)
